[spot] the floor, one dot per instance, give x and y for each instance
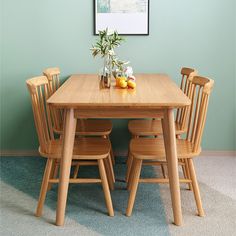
(217, 180)
(86, 213)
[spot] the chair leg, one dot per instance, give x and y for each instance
(76, 171)
(188, 174)
(184, 170)
(111, 168)
(109, 174)
(163, 171)
(196, 190)
(129, 164)
(131, 174)
(111, 152)
(44, 187)
(178, 136)
(54, 163)
(134, 186)
(56, 171)
(112, 156)
(105, 187)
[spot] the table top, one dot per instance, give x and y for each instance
(153, 91)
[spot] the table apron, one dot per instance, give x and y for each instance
(119, 113)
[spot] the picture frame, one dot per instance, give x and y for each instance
(127, 17)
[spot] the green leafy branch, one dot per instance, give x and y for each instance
(106, 43)
(119, 63)
(105, 46)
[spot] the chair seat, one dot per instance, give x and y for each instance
(149, 127)
(154, 149)
(84, 148)
(92, 127)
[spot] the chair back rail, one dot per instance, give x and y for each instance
(39, 92)
(199, 93)
(182, 113)
(53, 78)
(52, 75)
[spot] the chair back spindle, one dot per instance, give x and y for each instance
(199, 94)
(39, 92)
(53, 78)
(182, 113)
(52, 75)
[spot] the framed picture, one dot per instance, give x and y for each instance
(128, 17)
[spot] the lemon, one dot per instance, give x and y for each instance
(131, 84)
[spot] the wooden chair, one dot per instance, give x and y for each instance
(87, 151)
(151, 151)
(85, 127)
(89, 127)
(153, 127)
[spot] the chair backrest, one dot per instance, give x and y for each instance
(53, 78)
(182, 113)
(39, 92)
(199, 94)
(52, 75)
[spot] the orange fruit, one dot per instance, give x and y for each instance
(122, 83)
(118, 80)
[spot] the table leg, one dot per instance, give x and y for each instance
(68, 144)
(168, 126)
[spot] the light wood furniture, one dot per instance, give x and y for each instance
(81, 97)
(84, 127)
(153, 127)
(86, 151)
(152, 151)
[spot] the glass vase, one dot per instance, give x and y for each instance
(106, 72)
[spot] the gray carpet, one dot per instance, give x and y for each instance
(217, 180)
(86, 212)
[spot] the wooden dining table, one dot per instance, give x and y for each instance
(156, 96)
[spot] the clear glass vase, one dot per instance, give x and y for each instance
(106, 72)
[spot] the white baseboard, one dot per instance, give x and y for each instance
(121, 153)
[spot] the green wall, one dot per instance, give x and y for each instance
(41, 33)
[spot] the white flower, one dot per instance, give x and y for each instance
(129, 71)
(111, 52)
